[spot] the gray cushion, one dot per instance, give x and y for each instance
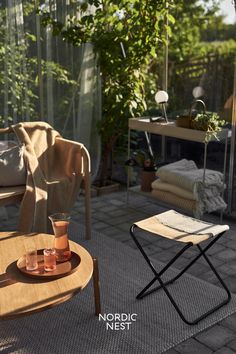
(12, 168)
(7, 144)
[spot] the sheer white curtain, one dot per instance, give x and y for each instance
(16, 105)
(84, 103)
(89, 104)
(74, 110)
(85, 106)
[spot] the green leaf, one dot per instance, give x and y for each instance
(171, 18)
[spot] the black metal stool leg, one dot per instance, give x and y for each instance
(147, 258)
(142, 250)
(216, 273)
(144, 292)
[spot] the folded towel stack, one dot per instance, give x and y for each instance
(184, 180)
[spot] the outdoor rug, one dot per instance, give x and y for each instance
(154, 326)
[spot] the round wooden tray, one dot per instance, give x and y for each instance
(62, 269)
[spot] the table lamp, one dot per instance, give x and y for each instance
(161, 98)
(197, 92)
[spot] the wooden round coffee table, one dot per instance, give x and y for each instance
(21, 295)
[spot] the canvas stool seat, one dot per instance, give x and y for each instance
(189, 232)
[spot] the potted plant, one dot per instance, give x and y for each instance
(207, 121)
(147, 162)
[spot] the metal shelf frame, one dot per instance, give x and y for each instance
(170, 129)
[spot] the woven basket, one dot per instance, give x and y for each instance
(183, 121)
(187, 121)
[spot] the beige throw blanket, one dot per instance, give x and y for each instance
(207, 192)
(54, 174)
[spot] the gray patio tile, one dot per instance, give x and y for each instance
(231, 283)
(211, 278)
(227, 270)
(198, 269)
(97, 204)
(222, 240)
(216, 337)
(227, 254)
(171, 351)
(153, 253)
(165, 244)
(110, 230)
(230, 322)
(121, 237)
(99, 225)
(151, 210)
(225, 350)
(165, 256)
(127, 217)
(114, 211)
(115, 221)
(191, 252)
(215, 261)
(230, 235)
(216, 249)
(137, 200)
(174, 248)
(99, 215)
(232, 345)
(138, 214)
(152, 250)
(232, 266)
(192, 346)
(152, 239)
(181, 262)
(231, 244)
(124, 226)
(202, 261)
(143, 242)
(117, 202)
(130, 243)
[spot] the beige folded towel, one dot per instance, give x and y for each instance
(180, 222)
(207, 192)
(164, 186)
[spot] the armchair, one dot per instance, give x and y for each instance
(56, 170)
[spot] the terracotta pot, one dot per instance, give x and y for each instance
(147, 177)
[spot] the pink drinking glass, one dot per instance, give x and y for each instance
(60, 223)
(49, 255)
(31, 259)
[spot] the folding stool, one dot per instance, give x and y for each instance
(189, 231)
